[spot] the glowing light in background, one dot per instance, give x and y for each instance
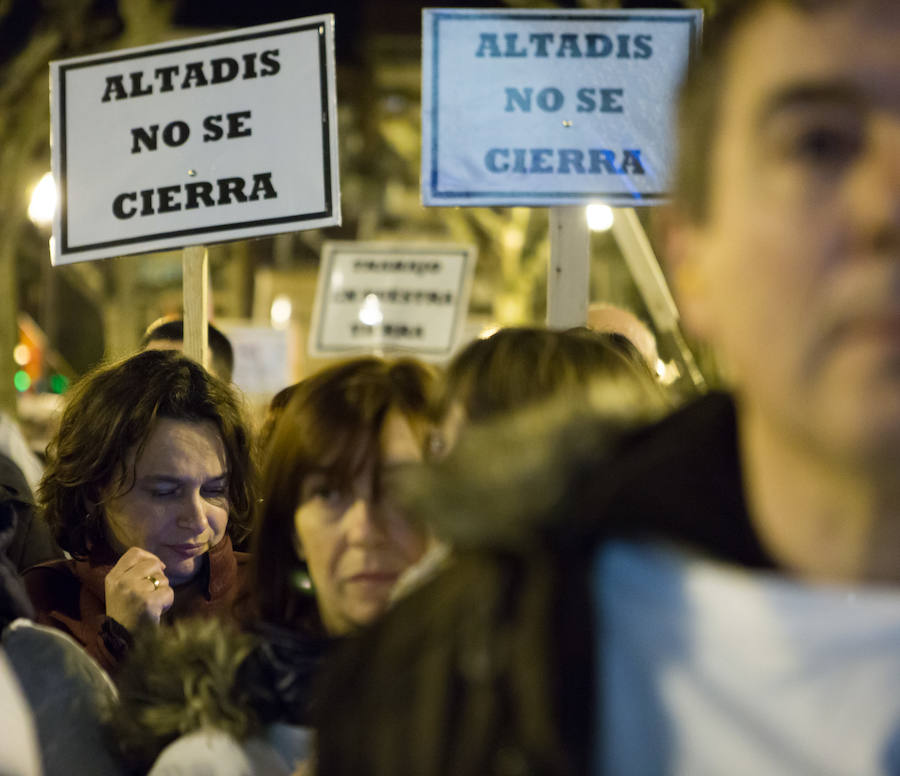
(513, 239)
(58, 383)
(21, 354)
(43, 201)
(599, 217)
(488, 332)
(281, 311)
(370, 313)
(21, 380)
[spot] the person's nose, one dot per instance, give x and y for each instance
(363, 524)
(876, 189)
(192, 513)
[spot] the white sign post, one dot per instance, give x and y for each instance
(552, 108)
(195, 296)
(397, 297)
(223, 137)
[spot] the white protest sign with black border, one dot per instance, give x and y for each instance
(551, 107)
(381, 297)
(221, 137)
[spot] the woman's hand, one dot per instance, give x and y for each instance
(137, 589)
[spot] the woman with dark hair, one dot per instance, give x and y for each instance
(148, 481)
(328, 522)
(477, 659)
(329, 544)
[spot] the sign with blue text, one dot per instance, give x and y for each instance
(381, 297)
(222, 137)
(560, 107)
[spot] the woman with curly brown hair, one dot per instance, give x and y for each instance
(330, 542)
(148, 482)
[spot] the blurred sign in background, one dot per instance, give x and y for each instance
(393, 299)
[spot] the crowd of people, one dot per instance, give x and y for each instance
(528, 561)
(153, 479)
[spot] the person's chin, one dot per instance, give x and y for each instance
(865, 394)
(180, 569)
(363, 611)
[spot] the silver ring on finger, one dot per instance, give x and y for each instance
(153, 581)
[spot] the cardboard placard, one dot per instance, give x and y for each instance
(550, 108)
(264, 358)
(391, 297)
(221, 137)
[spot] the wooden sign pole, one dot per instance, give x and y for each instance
(569, 271)
(648, 277)
(195, 289)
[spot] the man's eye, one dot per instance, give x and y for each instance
(163, 492)
(825, 146)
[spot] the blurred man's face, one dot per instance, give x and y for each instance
(795, 274)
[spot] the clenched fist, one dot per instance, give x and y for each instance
(137, 589)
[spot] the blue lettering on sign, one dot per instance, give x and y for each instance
(606, 100)
(551, 99)
(566, 45)
(565, 161)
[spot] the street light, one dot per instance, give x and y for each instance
(43, 201)
(281, 311)
(599, 217)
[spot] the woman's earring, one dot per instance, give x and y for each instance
(301, 581)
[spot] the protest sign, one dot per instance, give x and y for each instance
(222, 137)
(554, 107)
(265, 359)
(379, 297)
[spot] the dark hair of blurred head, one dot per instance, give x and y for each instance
(518, 367)
(172, 330)
(332, 423)
(111, 411)
(274, 411)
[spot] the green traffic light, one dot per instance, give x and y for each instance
(58, 383)
(22, 381)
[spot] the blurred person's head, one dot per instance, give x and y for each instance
(341, 440)
(167, 333)
(180, 678)
(787, 238)
(273, 412)
(152, 451)
(612, 319)
(516, 368)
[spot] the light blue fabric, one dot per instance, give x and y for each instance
(704, 668)
(214, 753)
(292, 742)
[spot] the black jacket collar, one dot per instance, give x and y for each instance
(680, 480)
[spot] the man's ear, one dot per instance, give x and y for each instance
(683, 256)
